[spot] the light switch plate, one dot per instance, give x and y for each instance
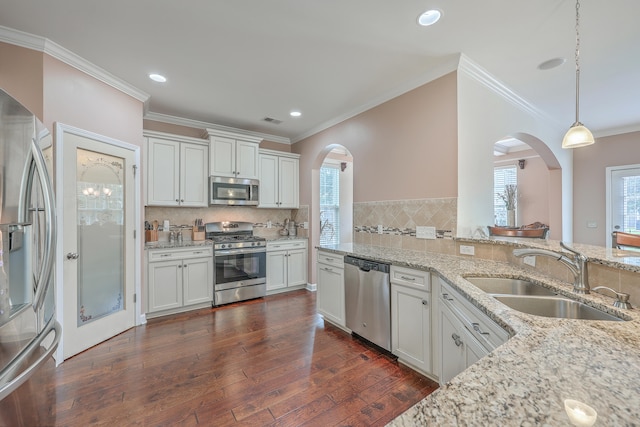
(305, 225)
(424, 232)
(467, 250)
(379, 228)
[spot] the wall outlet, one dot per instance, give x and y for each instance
(529, 260)
(592, 224)
(305, 225)
(379, 228)
(467, 250)
(423, 232)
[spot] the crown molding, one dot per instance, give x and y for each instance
(41, 44)
(173, 120)
(617, 131)
(444, 68)
(482, 76)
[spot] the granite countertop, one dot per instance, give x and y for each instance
(175, 245)
(526, 380)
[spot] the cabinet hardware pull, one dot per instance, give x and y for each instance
(182, 200)
(328, 269)
(165, 255)
(424, 302)
(177, 200)
(456, 339)
(446, 296)
(476, 327)
(180, 266)
(329, 259)
(198, 252)
(185, 265)
(408, 278)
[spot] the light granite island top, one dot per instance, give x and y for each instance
(525, 381)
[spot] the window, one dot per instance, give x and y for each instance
(625, 198)
(502, 176)
(329, 204)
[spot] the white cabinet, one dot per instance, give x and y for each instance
(177, 170)
(330, 293)
(279, 179)
(286, 264)
(233, 155)
(179, 279)
(466, 333)
(411, 322)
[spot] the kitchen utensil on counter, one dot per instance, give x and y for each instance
(155, 225)
(293, 230)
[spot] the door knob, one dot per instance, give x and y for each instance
(73, 255)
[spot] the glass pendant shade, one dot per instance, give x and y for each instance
(577, 136)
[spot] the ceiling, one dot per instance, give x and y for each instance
(233, 63)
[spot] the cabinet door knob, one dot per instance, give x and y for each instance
(178, 200)
(456, 339)
(182, 200)
(180, 266)
(424, 302)
(73, 255)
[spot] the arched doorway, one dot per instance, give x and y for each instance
(539, 180)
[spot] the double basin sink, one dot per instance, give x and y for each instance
(532, 298)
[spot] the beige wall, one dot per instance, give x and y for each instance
(533, 186)
(589, 165)
(405, 148)
(21, 76)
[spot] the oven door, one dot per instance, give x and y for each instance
(240, 267)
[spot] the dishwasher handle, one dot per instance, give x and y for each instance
(366, 265)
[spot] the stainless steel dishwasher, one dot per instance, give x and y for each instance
(368, 300)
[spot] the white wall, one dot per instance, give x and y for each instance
(488, 112)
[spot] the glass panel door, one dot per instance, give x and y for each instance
(100, 234)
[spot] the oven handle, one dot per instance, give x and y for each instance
(239, 251)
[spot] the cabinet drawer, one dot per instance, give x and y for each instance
(332, 259)
(413, 278)
(173, 253)
(485, 330)
(286, 245)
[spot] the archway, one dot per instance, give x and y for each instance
(536, 166)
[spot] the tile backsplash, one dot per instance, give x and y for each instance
(259, 217)
(399, 219)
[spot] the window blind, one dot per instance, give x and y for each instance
(502, 176)
(329, 204)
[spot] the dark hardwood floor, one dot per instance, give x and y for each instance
(266, 362)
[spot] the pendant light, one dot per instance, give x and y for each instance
(577, 135)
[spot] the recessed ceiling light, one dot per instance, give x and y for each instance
(295, 113)
(552, 63)
(430, 17)
(157, 78)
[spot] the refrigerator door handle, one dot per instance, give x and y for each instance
(9, 381)
(44, 276)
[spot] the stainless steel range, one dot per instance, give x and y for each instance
(240, 262)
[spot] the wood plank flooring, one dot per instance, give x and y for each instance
(266, 362)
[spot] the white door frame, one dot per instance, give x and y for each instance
(60, 130)
(609, 212)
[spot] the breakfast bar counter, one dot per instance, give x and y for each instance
(546, 361)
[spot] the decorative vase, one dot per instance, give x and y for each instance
(511, 218)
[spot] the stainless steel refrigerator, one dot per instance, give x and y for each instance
(29, 333)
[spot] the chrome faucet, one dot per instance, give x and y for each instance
(575, 261)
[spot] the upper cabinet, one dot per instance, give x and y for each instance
(233, 155)
(177, 170)
(279, 179)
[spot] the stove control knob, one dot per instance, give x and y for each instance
(223, 246)
(253, 243)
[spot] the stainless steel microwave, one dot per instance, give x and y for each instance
(233, 191)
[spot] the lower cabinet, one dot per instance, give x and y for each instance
(458, 347)
(286, 264)
(179, 279)
(466, 333)
(411, 318)
(330, 292)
